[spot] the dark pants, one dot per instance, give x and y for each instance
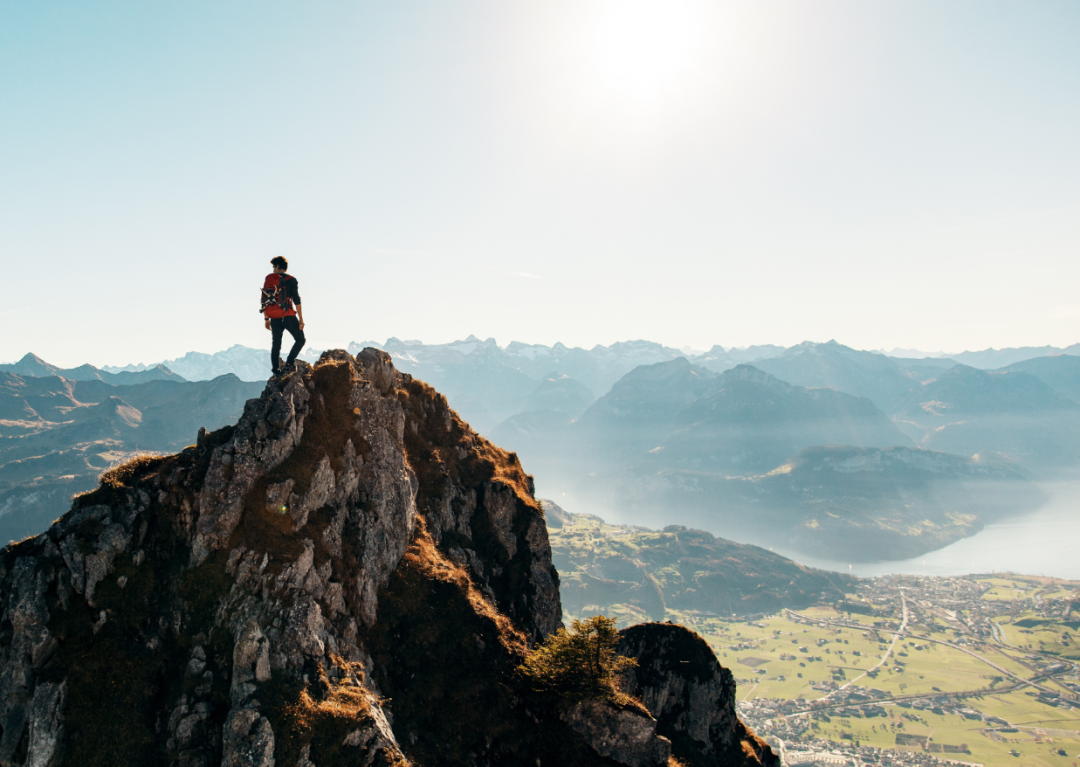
(278, 326)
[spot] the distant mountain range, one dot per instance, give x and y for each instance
(58, 434)
(991, 359)
(864, 374)
(488, 383)
(676, 415)
(754, 458)
(245, 363)
(969, 411)
(33, 366)
(720, 438)
(1061, 372)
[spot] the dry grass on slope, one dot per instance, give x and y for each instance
(321, 716)
(441, 445)
(445, 659)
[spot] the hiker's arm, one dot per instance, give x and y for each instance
(267, 323)
(294, 290)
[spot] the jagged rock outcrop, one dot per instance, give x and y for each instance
(691, 695)
(624, 733)
(349, 575)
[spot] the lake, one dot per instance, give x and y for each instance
(1044, 542)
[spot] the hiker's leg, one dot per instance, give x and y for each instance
(293, 326)
(277, 329)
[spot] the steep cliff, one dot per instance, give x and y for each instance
(350, 575)
(691, 696)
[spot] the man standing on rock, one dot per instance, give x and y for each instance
(280, 293)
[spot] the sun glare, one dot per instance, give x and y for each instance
(644, 46)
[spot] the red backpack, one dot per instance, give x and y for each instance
(275, 296)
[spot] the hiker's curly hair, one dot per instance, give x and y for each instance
(280, 262)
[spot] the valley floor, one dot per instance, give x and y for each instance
(911, 670)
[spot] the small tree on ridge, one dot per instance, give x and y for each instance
(580, 663)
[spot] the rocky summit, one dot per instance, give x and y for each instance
(350, 575)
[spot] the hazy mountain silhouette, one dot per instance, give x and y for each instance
(640, 410)
(716, 360)
(968, 411)
(501, 380)
(468, 368)
(245, 363)
(753, 353)
(925, 368)
(989, 359)
(1061, 372)
(57, 435)
(474, 369)
(560, 394)
(750, 457)
(752, 422)
(597, 368)
(864, 374)
(32, 365)
(465, 369)
(33, 400)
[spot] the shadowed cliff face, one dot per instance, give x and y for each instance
(350, 575)
(676, 671)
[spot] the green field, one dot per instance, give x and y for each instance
(947, 649)
(774, 646)
(1006, 589)
(842, 655)
(1032, 632)
(781, 657)
(952, 730)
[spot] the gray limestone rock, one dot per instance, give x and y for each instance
(248, 740)
(376, 366)
(46, 724)
(692, 696)
(268, 432)
(621, 733)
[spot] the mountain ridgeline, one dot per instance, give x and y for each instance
(32, 366)
(348, 575)
(58, 434)
(852, 455)
(741, 442)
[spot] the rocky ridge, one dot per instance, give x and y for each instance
(349, 575)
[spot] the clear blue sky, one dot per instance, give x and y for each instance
(886, 174)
